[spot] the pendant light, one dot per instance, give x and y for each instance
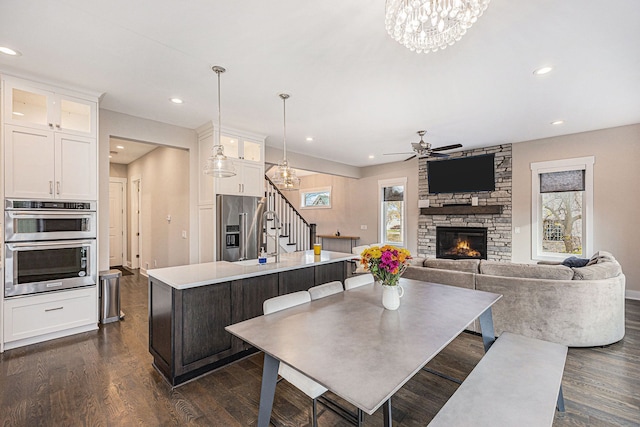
(285, 177)
(218, 165)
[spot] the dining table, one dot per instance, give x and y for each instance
(350, 344)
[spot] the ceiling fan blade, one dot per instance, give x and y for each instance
(447, 147)
(438, 155)
(393, 154)
(409, 158)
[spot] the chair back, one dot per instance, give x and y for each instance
(285, 301)
(325, 289)
(359, 280)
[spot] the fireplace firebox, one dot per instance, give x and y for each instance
(461, 242)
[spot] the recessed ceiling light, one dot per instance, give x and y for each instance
(309, 139)
(9, 51)
(176, 100)
(371, 156)
(557, 122)
(120, 147)
(542, 70)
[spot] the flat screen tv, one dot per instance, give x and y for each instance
(461, 174)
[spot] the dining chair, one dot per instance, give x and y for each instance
(325, 289)
(359, 280)
(300, 381)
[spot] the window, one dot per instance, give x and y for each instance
(392, 211)
(562, 208)
(315, 198)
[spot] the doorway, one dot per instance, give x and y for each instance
(136, 232)
(156, 204)
(117, 222)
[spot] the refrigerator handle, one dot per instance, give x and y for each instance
(243, 236)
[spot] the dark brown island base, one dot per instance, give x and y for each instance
(190, 305)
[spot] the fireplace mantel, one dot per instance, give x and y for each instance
(461, 210)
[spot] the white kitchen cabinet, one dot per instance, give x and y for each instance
(40, 317)
(246, 151)
(242, 148)
(34, 106)
(42, 164)
(248, 181)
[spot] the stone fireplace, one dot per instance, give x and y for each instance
(492, 211)
(461, 242)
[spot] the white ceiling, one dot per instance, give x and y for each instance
(353, 89)
(124, 151)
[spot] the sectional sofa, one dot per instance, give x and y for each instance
(578, 306)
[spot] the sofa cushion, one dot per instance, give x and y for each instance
(444, 277)
(601, 270)
(529, 271)
(417, 261)
(464, 265)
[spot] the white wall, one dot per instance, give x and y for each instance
(117, 170)
(135, 128)
(300, 161)
(354, 202)
(616, 176)
(163, 194)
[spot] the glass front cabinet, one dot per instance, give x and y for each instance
(35, 107)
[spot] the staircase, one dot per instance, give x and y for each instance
(296, 234)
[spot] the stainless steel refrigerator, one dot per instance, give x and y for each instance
(239, 227)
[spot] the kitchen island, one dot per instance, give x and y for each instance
(190, 305)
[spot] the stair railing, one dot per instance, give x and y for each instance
(300, 233)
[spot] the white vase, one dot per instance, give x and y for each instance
(391, 296)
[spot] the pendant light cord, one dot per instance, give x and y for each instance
(218, 70)
(284, 135)
(219, 111)
(284, 97)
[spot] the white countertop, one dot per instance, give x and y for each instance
(194, 275)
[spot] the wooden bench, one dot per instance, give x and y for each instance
(518, 382)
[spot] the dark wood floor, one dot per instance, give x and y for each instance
(105, 378)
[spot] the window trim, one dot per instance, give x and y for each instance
(382, 183)
(304, 191)
(579, 163)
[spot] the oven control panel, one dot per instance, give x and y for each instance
(11, 204)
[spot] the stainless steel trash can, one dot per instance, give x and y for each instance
(110, 296)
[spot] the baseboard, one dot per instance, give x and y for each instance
(143, 271)
(632, 295)
(46, 337)
(129, 265)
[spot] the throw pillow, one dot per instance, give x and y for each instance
(575, 262)
(601, 256)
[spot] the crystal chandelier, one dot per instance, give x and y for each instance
(217, 164)
(285, 177)
(429, 25)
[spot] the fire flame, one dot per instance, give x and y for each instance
(462, 248)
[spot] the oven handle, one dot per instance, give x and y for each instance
(44, 245)
(44, 215)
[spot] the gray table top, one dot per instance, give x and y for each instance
(354, 347)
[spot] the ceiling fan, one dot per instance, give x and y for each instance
(423, 149)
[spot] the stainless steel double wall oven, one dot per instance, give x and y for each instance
(49, 245)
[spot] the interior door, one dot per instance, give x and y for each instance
(116, 223)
